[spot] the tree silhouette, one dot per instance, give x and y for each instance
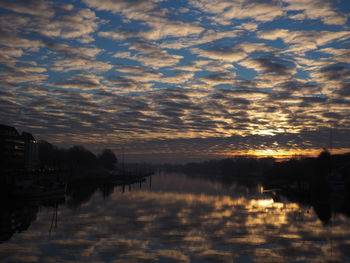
(81, 157)
(323, 164)
(107, 159)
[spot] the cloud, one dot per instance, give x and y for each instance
(134, 71)
(263, 11)
(138, 73)
(41, 8)
(303, 41)
(339, 54)
(124, 6)
(11, 40)
(334, 79)
(270, 65)
(246, 9)
(228, 54)
(72, 24)
(160, 26)
(207, 37)
(323, 10)
(232, 53)
(249, 26)
(68, 50)
(273, 72)
(80, 63)
(160, 30)
(219, 78)
(178, 78)
(163, 28)
(207, 65)
(82, 82)
(151, 55)
(126, 84)
(216, 255)
(51, 20)
(23, 75)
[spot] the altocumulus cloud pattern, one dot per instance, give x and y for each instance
(178, 78)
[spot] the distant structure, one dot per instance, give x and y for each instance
(17, 151)
(31, 151)
(11, 148)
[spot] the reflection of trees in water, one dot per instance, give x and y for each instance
(106, 190)
(320, 197)
(303, 181)
(17, 216)
(78, 195)
(323, 211)
(81, 191)
(320, 194)
(322, 183)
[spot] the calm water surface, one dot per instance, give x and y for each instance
(173, 218)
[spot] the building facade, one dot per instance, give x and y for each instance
(11, 148)
(17, 151)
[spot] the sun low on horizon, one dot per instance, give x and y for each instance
(161, 80)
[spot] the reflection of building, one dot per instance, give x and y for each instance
(17, 151)
(16, 219)
(11, 148)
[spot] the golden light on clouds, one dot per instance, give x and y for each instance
(160, 72)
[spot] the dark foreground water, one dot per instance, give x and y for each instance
(173, 218)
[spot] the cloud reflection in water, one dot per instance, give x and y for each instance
(187, 221)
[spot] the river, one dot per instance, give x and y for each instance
(171, 218)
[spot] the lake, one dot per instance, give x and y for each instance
(171, 218)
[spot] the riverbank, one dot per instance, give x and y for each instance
(43, 183)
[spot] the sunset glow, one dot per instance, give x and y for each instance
(254, 77)
(280, 153)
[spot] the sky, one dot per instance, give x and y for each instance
(178, 80)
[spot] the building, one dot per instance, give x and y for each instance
(31, 151)
(11, 148)
(17, 151)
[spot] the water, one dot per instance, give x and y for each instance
(173, 218)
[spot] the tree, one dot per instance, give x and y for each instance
(323, 164)
(81, 157)
(47, 154)
(107, 159)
